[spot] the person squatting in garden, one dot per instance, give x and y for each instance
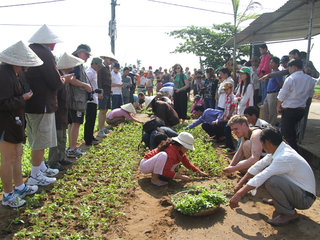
(163, 160)
(287, 176)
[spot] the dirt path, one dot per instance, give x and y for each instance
(149, 216)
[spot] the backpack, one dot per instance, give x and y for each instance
(152, 124)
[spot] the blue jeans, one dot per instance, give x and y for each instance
(116, 101)
(264, 90)
(209, 103)
(148, 139)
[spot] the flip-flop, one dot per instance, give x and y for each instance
(267, 201)
(160, 183)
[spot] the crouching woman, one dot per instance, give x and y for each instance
(163, 160)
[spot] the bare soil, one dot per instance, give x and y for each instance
(150, 215)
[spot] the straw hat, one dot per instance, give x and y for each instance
(20, 54)
(44, 35)
(109, 55)
(129, 108)
(67, 61)
(185, 139)
(148, 100)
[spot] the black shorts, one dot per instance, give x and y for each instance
(75, 116)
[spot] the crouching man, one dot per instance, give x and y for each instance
(287, 177)
(250, 149)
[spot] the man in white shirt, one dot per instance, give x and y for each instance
(252, 115)
(292, 99)
(91, 110)
(287, 176)
(116, 86)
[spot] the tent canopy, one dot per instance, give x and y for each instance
(289, 22)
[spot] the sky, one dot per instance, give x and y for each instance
(142, 27)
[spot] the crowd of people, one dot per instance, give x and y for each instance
(44, 97)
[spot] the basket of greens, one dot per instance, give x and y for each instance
(197, 202)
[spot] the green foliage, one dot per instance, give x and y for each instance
(207, 43)
(197, 200)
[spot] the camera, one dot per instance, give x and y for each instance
(90, 94)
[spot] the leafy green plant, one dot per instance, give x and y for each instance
(197, 200)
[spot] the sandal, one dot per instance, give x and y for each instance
(267, 201)
(160, 183)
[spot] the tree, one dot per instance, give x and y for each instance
(239, 18)
(207, 43)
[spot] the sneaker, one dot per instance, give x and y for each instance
(12, 200)
(28, 190)
(101, 134)
(50, 172)
(106, 130)
(40, 180)
(95, 141)
(75, 153)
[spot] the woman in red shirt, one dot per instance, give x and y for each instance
(164, 159)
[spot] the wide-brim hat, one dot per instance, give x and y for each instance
(97, 61)
(44, 36)
(82, 48)
(19, 54)
(109, 55)
(67, 61)
(129, 108)
(148, 100)
(185, 139)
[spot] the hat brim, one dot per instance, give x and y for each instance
(20, 62)
(112, 59)
(81, 50)
(187, 146)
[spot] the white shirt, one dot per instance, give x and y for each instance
(285, 162)
(116, 79)
(261, 123)
(92, 77)
(246, 100)
(296, 90)
(222, 93)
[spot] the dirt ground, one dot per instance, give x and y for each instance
(149, 215)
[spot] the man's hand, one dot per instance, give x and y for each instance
(100, 96)
(27, 95)
(214, 122)
(229, 169)
(234, 201)
(264, 78)
(68, 78)
(87, 87)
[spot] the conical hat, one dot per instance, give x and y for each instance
(148, 100)
(129, 108)
(20, 54)
(44, 35)
(109, 55)
(67, 61)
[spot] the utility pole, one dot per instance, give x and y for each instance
(112, 25)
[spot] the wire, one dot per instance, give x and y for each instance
(33, 3)
(195, 8)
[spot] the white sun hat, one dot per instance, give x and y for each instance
(185, 139)
(67, 61)
(19, 54)
(44, 35)
(148, 100)
(129, 108)
(109, 55)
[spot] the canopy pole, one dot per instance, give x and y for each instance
(303, 122)
(310, 31)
